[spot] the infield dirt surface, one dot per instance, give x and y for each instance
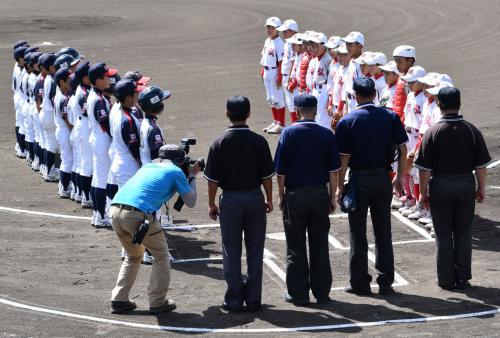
(206, 51)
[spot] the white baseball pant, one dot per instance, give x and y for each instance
(322, 117)
(274, 94)
(62, 136)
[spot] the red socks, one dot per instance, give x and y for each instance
(416, 190)
(293, 116)
(275, 114)
(280, 112)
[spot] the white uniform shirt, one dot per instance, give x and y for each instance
(313, 63)
(151, 138)
(272, 53)
(427, 116)
(60, 108)
(413, 109)
(47, 104)
(97, 108)
(334, 66)
(321, 70)
(288, 59)
(379, 86)
(338, 84)
(354, 71)
(386, 99)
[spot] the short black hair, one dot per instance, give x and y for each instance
(449, 98)
(238, 108)
(307, 110)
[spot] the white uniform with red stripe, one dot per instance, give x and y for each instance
(379, 86)
(413, 119)
(319, 81)
(286, 69)
(272, 54)
(386, 99)
(354, 72)
(338, 85)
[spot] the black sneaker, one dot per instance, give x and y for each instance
(168, 306)
(323, 300)
(118, 307)
(295, 301)
(358, 291)
(447, 287)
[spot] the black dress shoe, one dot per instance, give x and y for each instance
(358, 291)
(168, 306)
(118, 307)
(253, 306)
(323, 300)
(232, 309)
(447, 287)
(384, 291)
(463, 285)
(295, 301)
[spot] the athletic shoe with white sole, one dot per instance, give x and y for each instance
(86, 203)
(429, 226)
(407, 205)
(396, 202)
(277, 129)
(78, 198)
(147, 259)
(22, 154)
(418, 213)
(102, 222)
(53, 176)
(426, 219)
(35, 165)
(64, 193)
(433, 234)
(269, 126)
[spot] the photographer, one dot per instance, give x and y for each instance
(133, 207)
(240, 162)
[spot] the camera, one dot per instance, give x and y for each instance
(186, 143)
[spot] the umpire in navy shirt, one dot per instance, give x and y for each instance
(367, 139)
(240, 162)
(307, 161)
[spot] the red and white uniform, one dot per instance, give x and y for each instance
(338, 88)
(286, 69)
(272, 55)
(354, 71)
(304, 66)
(413, 119)
(386, 99)
(319, 81)
(380, 84)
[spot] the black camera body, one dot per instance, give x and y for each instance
(186, 143)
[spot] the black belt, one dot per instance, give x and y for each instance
(369, 172)
(267, 68)
(314, 187)
(131, 208)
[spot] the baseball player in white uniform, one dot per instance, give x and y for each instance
(337, 105)
(16, 83)
(27, 86)
(33, 80)
(73, 139)
(63, 130)
(38, 91)
(333, 43)
(320, 76)
(373, 63)
(292, 86)
(391, 77)
(271, 58)
(289, 28)
(98, 113)
(51, 174)
(355, 41)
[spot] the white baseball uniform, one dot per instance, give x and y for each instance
(354, 72)
(319, 88)
(85, 168)
(63, 132)
(151, 139)
(47, 114)
(387, 96)
(379, 87)
(413, 118)
(286, 69)
(272, 54)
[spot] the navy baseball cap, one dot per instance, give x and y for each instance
(113, 80)
(449, 97)
(100, 70)
(82, 70)
(62, 74)
(34, 58)
(136, 76)
(21, 43)
(364, 86)
(48, 60)
(126, 88)
(19, 52)
(305, 101)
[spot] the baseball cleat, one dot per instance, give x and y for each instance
(269, 126)
(78, 198)
(86, 203)
(147, 259)
(102, 222)
(277, 129)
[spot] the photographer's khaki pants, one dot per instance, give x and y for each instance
(125, 223)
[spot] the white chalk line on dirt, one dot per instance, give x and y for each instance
(412, 225)
(493, 164)
(330, 327)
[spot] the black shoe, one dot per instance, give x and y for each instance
(168, 306)
(323, 300)
(447, 287)
(295, 301)
(118, 307)
(231, 309)
(359, 292)
(384, 291)
(463, 285)
(254, 306)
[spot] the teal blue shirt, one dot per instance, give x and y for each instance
(152, 186)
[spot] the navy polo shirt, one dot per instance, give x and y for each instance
(369, 134)
(306, 154)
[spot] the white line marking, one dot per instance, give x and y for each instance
(335, 243)
(494, 187)
(398, 243)
(412, 225)
(373, 286)
(397, 277)
(197, 260)
(268, 260)
(493, 164)
(343, 215)
(48, 214)
(189, 227)
(7, 302)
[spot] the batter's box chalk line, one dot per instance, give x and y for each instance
(328, 327)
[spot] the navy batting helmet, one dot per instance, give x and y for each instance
(71, 51)
(151, 99)
(63, 61)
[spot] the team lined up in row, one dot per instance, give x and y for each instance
(64, 105)
(311, 63)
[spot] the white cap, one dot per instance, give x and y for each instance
(444, 78)
(296, 39)
(342, 49)
(405, 51)
(413, 74)
(273, 21)
(376, 58)
(333, 42)
(289, 24)
(431, 79)
(435, 90)
(318, 38)
(306, 36)
(354, 37)
(361, 60)
(390, 67)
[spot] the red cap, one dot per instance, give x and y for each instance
(110, 72)
(139, 88)
(143, 80)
